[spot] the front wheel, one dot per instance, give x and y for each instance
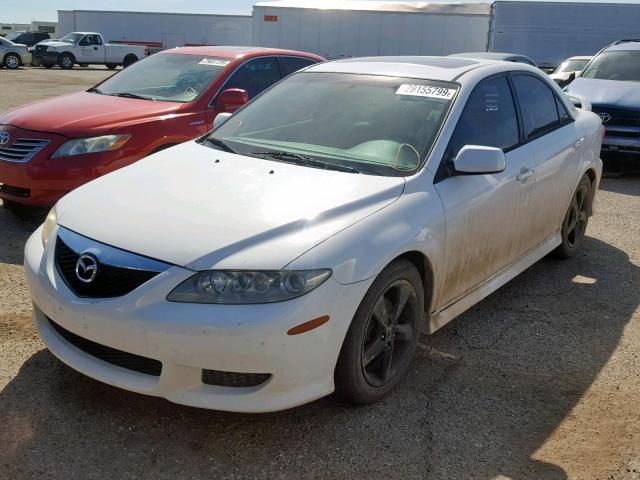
(11, 61)
(66, 61)
(383, 335)
(575, 220)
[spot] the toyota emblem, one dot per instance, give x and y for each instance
(604, 116)
(86, 268)
(4, 138)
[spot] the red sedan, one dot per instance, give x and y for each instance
(50, 147)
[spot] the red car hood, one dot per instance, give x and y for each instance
(84, 114)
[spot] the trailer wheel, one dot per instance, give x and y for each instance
(129, 60)
(66, 61)
(112, 66)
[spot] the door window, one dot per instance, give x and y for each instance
(255, 76)
(538, 105)
(488, 119)
(90, 40)
(293, 64)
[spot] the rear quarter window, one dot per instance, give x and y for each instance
(293, 64)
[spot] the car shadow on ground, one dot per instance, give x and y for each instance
(483, 394)
(15, 230)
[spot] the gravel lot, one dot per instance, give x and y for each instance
(540, 381)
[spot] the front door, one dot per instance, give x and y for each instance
(91, 50)
(486, 215)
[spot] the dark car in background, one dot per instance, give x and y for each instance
(27, 38)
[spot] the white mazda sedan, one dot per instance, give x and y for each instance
(304, 245)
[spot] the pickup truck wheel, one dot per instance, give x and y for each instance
(11, 61)
(575, 220)
(112, 66)
(84, 65)
(66, 61)
(383, 335)
(129, 60)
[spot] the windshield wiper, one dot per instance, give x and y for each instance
(220, 144)
(299, 159)
(131, 95)
(95, 90)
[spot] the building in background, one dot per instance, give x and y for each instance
(350, 29)
(160, 30)
(35, 26)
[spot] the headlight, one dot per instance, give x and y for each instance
(245, 287)
(48, 226)
(91, 145)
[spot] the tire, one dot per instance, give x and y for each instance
(380, 343)
(129, 60)
(112, 66)
(575, 220)
(11, 61)
(66, 61)
(84, 65)
(19, 210)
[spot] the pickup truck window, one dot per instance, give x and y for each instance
(90, 40)
(165, 77)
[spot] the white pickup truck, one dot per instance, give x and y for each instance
(86, 48)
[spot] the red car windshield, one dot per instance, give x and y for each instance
(167, 77)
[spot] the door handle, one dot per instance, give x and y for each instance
(525, 174)
(578, 143)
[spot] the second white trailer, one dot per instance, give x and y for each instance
(162, 30)
(352, 29)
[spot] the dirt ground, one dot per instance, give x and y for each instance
(539, 381)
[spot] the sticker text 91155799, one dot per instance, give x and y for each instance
(426, 91)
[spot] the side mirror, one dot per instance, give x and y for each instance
(580, 102)
(232, 97)
(220, 119)
(479, 160)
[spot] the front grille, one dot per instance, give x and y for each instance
(22, 150)
(619, 117)
(234, 379)
(110, 281)
(110, 355)
(39, 51)
(15, 191)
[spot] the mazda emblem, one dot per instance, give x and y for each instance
(86, 268)
(4, 138)
(604, 116)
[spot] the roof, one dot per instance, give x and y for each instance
(624, 45)
(236, 51)
(487, 55)
(475, 8)
(434, 68)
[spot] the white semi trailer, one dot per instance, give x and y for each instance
(549, 32)
(349, 29)
(159, 30)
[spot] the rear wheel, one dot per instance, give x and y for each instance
(11, 61)
(66, 61)
(576, 219)
(129, 60)
(383, 335)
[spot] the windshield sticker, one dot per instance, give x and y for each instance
(426, 91)
(215, 62)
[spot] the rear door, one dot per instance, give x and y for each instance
(486, 215)
(558, 147)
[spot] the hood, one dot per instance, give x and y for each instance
(182, 207)
(607, 92)
(55, 43)
(84, 114)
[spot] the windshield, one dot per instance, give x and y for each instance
(571, 66)
(12, 36)
(72, 38)
(615, 65)
(167, 77)
(368, 124)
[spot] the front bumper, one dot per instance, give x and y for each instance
(25, 58)
(187, 338)
(42, 181)
(613, 143)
